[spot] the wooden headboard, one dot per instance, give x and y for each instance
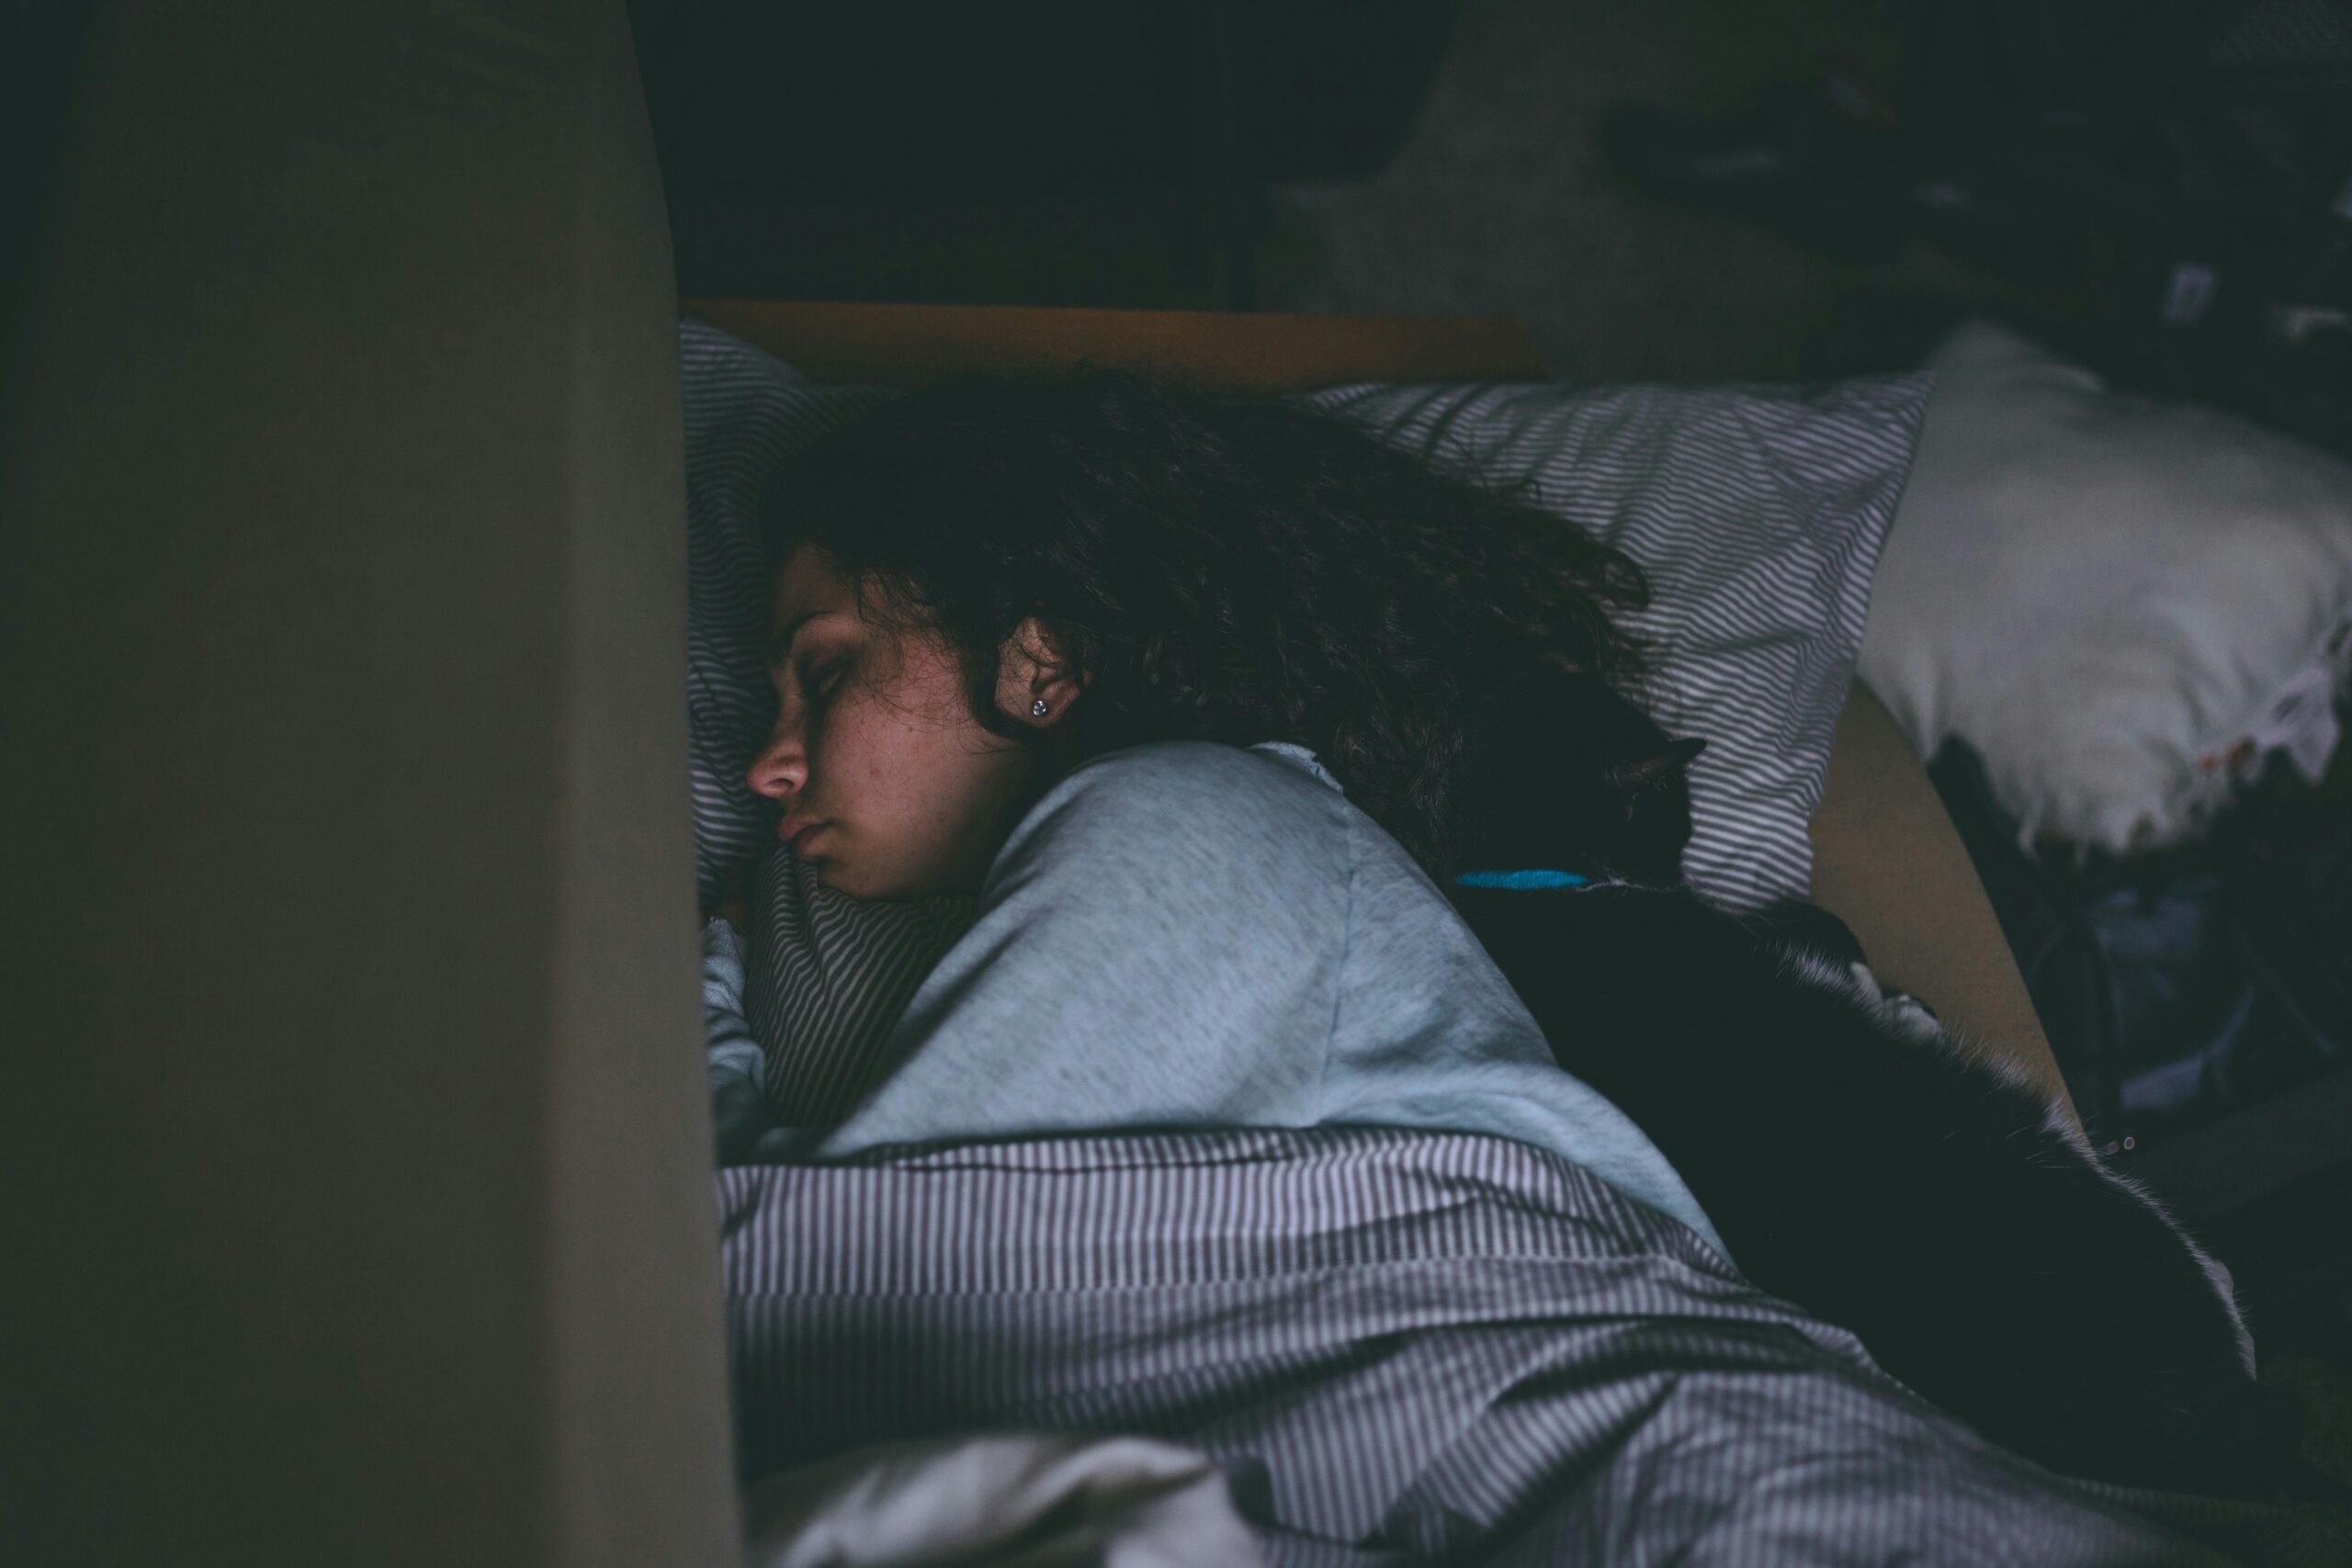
(903, 346)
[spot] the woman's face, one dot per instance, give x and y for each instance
(890, 788)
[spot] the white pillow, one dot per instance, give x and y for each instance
(2122, 602)
(1757, 513)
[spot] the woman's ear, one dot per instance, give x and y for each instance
(1036, 684)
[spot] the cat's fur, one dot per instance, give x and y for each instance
(1854, 1159)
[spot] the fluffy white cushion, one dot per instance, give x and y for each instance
(2122, 602)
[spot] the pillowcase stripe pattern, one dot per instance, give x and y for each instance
(1759, 516)
(830, 974)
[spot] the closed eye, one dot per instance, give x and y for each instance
(821, 685)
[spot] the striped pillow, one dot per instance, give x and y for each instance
(1757, 512)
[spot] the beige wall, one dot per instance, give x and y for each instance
(357, 1193)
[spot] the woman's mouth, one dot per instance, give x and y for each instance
(797, 839)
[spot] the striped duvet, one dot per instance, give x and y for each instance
(1398, 1347)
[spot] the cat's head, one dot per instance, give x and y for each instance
(1562, 774)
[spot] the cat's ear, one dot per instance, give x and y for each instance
(1636, 776)
(1681, 753)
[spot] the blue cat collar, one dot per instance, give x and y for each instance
(1520, 881)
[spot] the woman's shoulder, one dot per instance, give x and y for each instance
(1180, 823)
(1298, 757)
(1187, 767)
(1195, 795)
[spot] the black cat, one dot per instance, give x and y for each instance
(1855, 1161)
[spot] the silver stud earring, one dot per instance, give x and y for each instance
(1037, 708)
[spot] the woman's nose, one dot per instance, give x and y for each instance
(782, 766)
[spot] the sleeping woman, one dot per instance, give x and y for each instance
(1177, 687)
(1225, 716)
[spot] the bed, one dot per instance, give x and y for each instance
(1884, 858)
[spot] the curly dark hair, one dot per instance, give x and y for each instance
(1221, 567)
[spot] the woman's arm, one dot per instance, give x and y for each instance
(1888, 861)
